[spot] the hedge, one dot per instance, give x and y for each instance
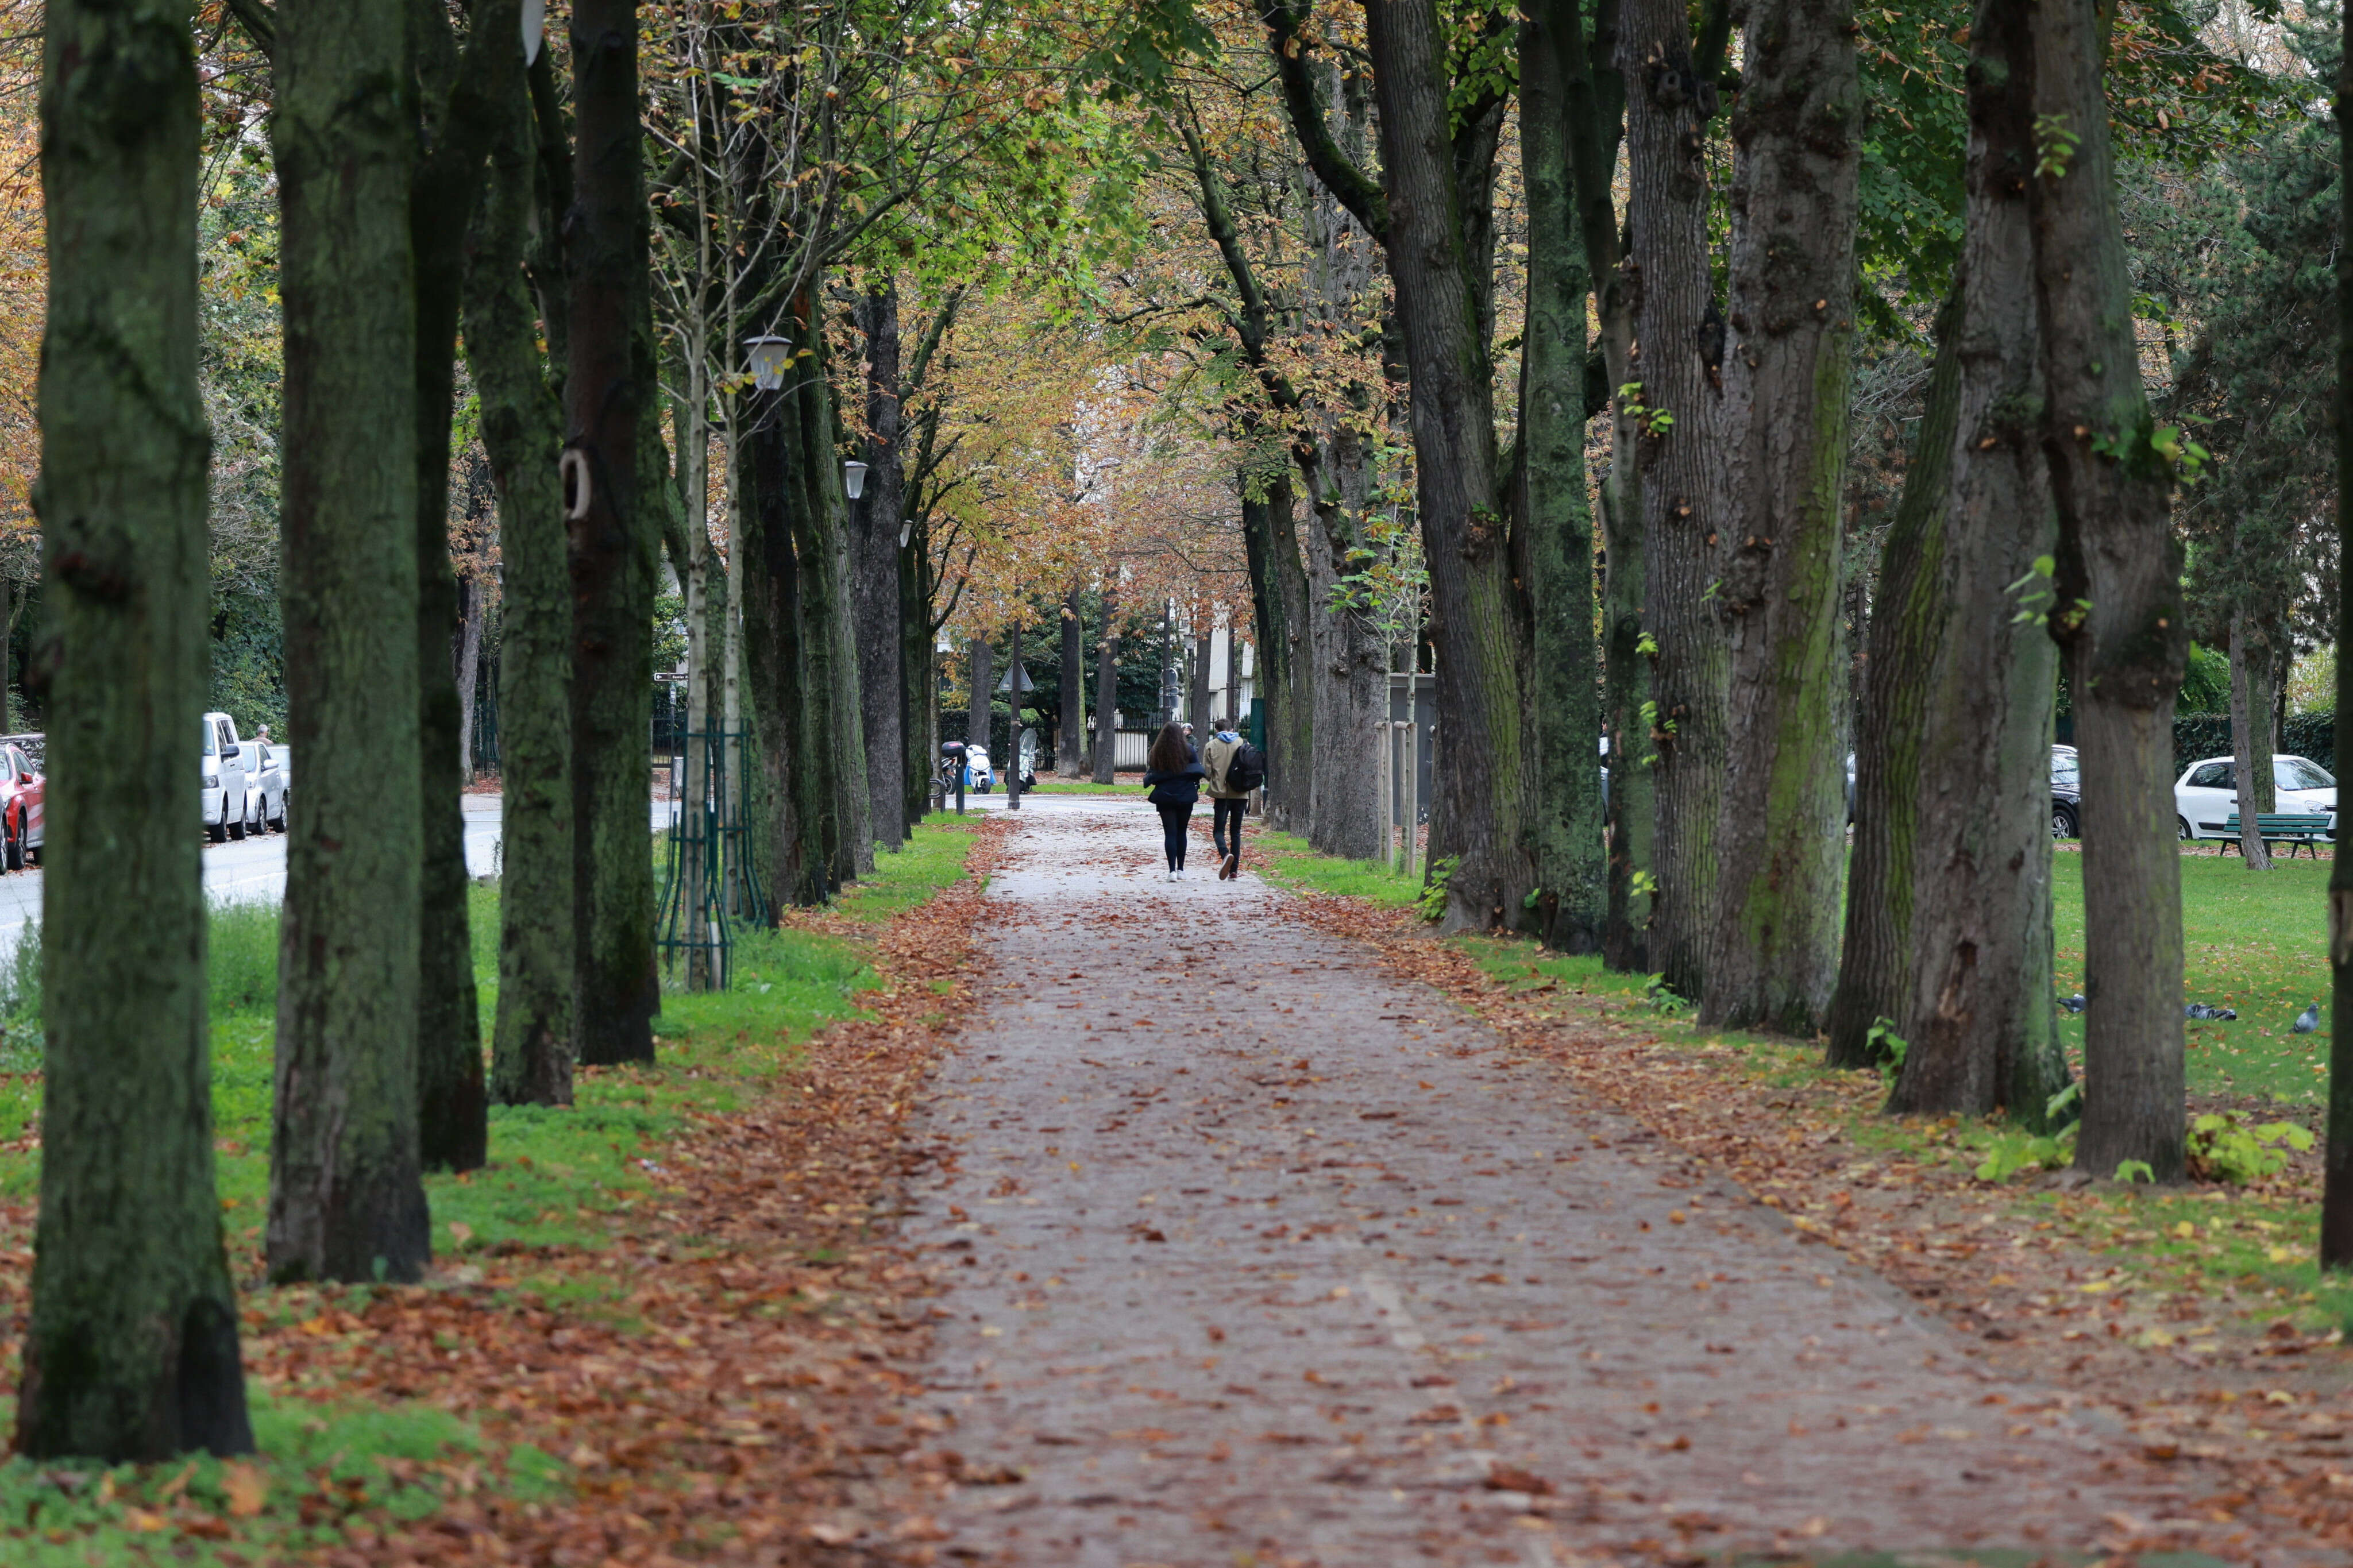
(2199, 735)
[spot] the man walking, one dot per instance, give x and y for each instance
(1229, 793)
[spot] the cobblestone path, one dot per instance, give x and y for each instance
(1256, 1255)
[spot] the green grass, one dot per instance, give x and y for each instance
(1132, 787)
(1286, 860)
(2257, 942)
(319, 1469)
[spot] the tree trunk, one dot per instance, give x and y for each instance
(1980, 1023)
(1070, 732)
(919, 693)
(981, 665)
(131, 1353)
(1106, 758)
(1279, 609)
(1676, 403)
(2119, 592)
(346, 1201)
(1773, 944)
(874, 567)
(2336, 1197)
(829, 646)
(1479, 619)
(614, 543)
(1204, 643)
(468, 661)
(522, 427)
(2251, 739)
(1561, 717)
(1875, 977)
(767, 577)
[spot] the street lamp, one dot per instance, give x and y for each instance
(853, 480)
(906, 531)
(769, 356)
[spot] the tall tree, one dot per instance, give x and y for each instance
(1556, 537)
(2119, 603)
(1106, 731)
(1772, 950)
(532, 1040)
(346, 1198)
(875, 545)
(1974, 639)
(1436, 161)
(131, 1352)
(1070, 733)
(606, 391)
(1675, 399)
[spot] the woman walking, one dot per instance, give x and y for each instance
(1175, 778)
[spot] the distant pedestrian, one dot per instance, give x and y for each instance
(1175, 780)
(1228, 796)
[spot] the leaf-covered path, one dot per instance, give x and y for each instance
(1253, 1252)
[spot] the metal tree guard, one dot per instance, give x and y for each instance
(707, 885)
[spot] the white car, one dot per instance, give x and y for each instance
(265, 787)
(2206, 795)
(227, 808)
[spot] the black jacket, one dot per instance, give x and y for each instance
(1179, 788)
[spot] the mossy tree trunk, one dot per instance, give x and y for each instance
(346, 1198)
(1279, 608)
(1594, 96)
(131, 1352)
(1875, 977)
(1773, 932)
(1562, 706)
(1980, 1019)
(2119, 606)
(1675, 403)
(768, 577)
(2250, 733)
(605, 397)
(523, 430)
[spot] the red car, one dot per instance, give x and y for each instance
(21, 789)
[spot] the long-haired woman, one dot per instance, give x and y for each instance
(1173, 775)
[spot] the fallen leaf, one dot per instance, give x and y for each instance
(247, 1487)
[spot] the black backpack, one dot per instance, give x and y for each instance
(1246, 769)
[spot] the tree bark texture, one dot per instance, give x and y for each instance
(531, 1036)
(2337, 1153)
(830, 645)
(1773, 944)
(2250, 734)
(874, 567)
(1106, 732)
(1070, 735)
(1677, 406)
(1594, 98)
(1562, 714)
(131, 1352)
(1481, 817)
(605, 392)
(1348, 694)
(768, 577)
(1875, 965)
(467, 661)
(918, 694)
(2119, 591)
(346, 1198)
(1279, 608)
(1204, 641)
(453, 1108)
(1980, 1021)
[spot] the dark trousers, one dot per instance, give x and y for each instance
(1172, 819)
(1227, 810)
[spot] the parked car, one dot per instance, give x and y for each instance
(978, 776)
(265, 787)
(22, 790)
(35, 746)
(2207, 794)
(227, 788)
(2066, 794)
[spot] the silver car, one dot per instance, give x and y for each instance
(265, 786)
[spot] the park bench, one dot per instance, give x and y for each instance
(2291, 827)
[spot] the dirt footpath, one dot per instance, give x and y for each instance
(1253, 1254)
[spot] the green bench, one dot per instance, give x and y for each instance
(2290, 827)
